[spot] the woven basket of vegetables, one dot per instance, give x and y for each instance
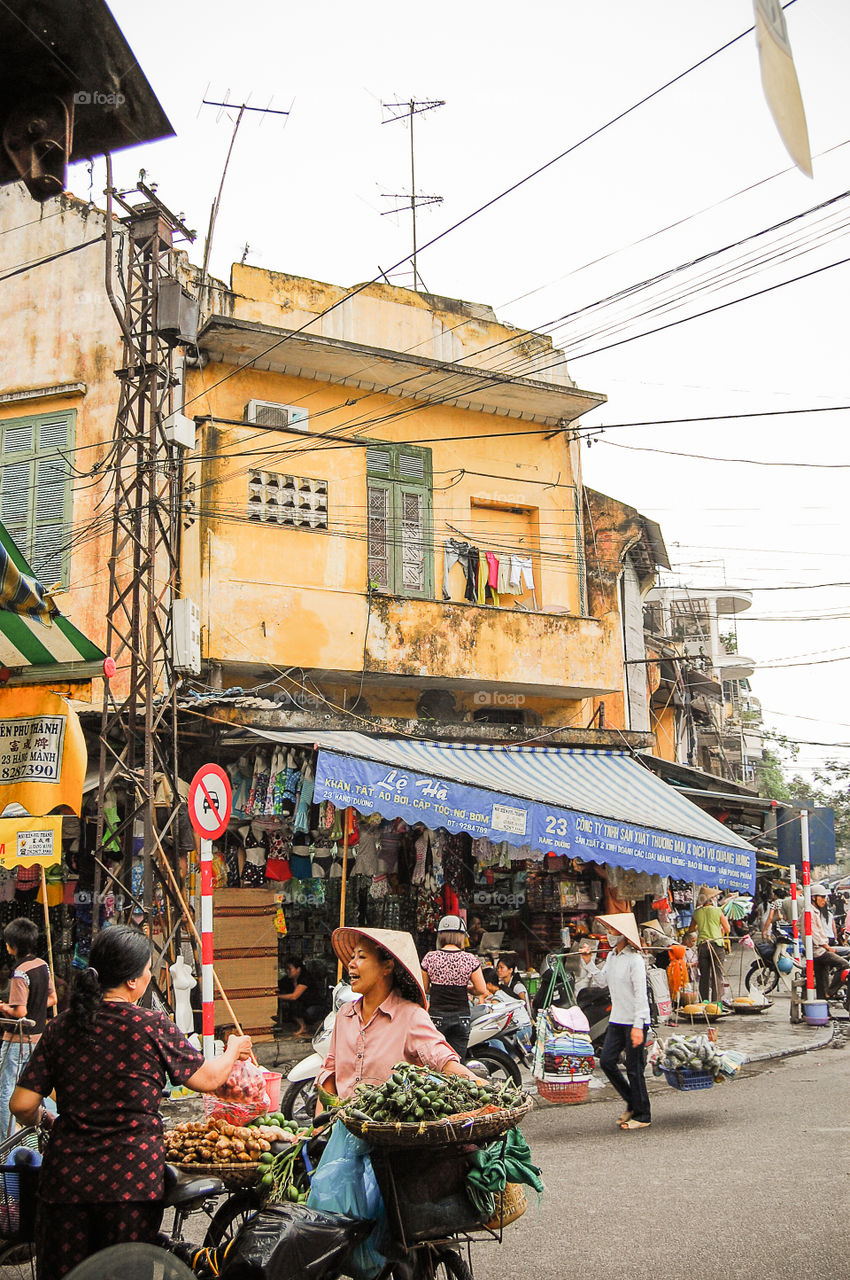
(221, 1150)
(418, 1107)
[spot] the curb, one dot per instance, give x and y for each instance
(835, 1033)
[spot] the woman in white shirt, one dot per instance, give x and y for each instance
(624, 974)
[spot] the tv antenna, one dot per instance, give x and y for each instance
(407, 111)
(240, 109)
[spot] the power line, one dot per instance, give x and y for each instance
(705, 457)
(488, 204)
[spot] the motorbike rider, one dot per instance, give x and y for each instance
(828, 961)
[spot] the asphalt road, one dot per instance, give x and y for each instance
(724, 1184)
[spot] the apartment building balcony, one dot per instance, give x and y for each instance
(471, 647)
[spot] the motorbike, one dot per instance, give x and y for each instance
(773, 960)
(492, 1052)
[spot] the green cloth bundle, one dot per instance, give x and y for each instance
(491, 1167)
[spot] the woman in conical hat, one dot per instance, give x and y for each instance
(624, 974)
(388, 1023)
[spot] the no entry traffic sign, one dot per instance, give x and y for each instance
(210, 801)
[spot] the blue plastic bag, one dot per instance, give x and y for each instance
(345, 1182)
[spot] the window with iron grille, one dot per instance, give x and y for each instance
(35, 490)
(295, 502)
(399, 519)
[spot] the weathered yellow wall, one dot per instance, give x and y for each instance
(663, 722)
(58, 327)
(300, 596)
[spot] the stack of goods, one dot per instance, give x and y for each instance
(563, 1058)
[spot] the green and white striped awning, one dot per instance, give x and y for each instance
(32, 649)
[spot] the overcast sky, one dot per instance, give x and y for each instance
(698, 168)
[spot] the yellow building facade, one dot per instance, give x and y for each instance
(329, 544)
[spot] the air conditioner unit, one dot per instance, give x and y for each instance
(186, 636)
(267, 413)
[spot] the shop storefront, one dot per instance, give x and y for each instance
(532, 841)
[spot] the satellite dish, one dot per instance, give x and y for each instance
(131, 1262)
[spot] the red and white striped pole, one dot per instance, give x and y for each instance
(807, 905)
(207, 997)
(795, 920)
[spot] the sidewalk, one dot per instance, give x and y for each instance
(761, 1037)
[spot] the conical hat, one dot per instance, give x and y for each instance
(400, 946)
(624, 922)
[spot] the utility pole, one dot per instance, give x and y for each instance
(407, 112)
(138, 736)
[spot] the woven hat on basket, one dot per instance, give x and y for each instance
(623, 922)
(400, 946)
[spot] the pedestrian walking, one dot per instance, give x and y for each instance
(624, 974)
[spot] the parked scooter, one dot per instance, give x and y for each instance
(497, 1047)
(492, 1052)
(774, 960)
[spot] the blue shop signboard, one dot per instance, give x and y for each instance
(531, 826)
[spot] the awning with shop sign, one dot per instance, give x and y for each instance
(30, 842)
(598, 805)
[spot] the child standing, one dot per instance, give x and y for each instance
(31, 994)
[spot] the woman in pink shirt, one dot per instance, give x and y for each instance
(388, 1023)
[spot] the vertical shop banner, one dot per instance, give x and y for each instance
(534, 827)
(30, 842)
(42, 751)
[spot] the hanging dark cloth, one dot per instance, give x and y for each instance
(471, 593)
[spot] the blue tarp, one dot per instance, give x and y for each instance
(601, 806)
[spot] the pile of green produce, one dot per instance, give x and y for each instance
(277, 1121)
(689, 1053)
(413, 1095)
(283, 1177)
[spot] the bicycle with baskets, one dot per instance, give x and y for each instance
(431, 1224)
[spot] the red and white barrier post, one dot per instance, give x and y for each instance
(795, 921)
(807, 906)
(210, 804)
(207, 995)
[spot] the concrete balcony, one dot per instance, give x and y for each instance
(470, 647)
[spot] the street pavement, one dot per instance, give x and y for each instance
(749, 1178)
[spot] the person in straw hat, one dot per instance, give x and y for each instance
(712, 927)
(387, 1022)
(624, 974)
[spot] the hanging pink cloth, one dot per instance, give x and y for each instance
(492, 570)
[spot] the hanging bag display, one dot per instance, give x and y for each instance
(563, 1051)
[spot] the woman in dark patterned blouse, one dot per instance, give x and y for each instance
(446, 973)
(102, 1178)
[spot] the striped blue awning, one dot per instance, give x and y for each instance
(598, 805)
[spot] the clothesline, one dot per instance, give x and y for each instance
(488, 576)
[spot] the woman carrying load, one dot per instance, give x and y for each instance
(624, 974)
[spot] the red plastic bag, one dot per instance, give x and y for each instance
(244, 1093)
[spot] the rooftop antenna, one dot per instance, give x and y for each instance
(240, 110)
(407, 111)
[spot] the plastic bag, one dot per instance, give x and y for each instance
(345, 1183)
(286, 1240)
(244, 1093)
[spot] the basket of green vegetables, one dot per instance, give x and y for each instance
(417, 1106)
(689, 1062)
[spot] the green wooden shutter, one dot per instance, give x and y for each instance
(400, 519)
(35, 491)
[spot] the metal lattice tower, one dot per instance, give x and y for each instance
(138, 737)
